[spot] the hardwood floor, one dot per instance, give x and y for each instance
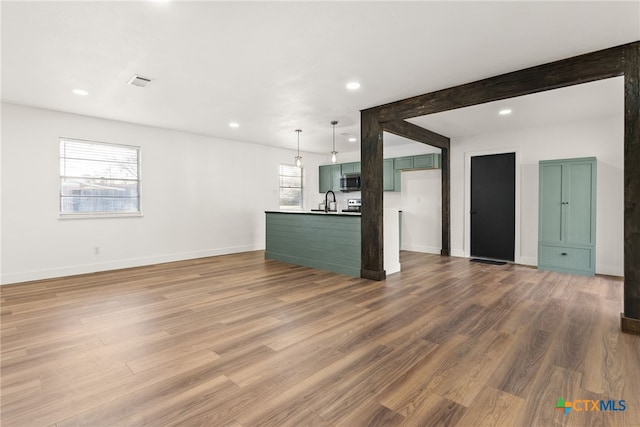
(240, 341)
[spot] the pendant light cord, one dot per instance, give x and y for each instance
(334, 123)
(298, 158)
(334, 152)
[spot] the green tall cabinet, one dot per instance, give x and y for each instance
(567, 216)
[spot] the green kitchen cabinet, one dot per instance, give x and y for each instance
(328, 242)
(388, 175)
(329, 175)
(353, 167)
(401, 163)
(324, 178)
(329, 178)
(567, 215)
(422, 161)
(426, 161)
(397, 180)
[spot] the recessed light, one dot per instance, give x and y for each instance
(352, 139)
(504, 112)
(234, 125)
(80, 92)
(353, 85)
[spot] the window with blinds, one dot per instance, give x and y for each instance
(99, 178)
(290, 187)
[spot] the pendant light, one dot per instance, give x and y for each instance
(334, 153)
(298, 158)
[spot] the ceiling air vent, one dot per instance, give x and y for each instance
(139, 81)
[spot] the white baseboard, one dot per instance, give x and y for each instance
(527, 261)
(50, 273)
(422, 248)
(458, 253)
(393, 268)
(610, 270)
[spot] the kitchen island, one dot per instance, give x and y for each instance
(327, 241)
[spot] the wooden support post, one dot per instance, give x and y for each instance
(372, 252)
(630, 321)
(445, 158)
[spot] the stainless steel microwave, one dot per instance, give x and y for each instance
(350, 182)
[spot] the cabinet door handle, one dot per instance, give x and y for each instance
(565, 203)
(563, 253)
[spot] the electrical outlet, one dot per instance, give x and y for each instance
(96, 250)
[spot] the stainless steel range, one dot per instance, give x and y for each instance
(353, 205)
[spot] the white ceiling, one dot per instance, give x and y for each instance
(277, 66)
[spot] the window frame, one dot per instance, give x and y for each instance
(280, 187)
(98, 214)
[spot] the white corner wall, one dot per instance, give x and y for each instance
(201, 196)
(601, 138)
(421, 201)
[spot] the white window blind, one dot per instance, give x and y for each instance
(99, 178)
(290, 187)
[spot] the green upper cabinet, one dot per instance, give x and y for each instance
(427, 161)
(329, 178)
(329, 175)
(423, 161)
(401, 163)
(324, 178)
(388, 175)
(351, 167)
(567, 215)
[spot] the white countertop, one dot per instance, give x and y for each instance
(318, 213)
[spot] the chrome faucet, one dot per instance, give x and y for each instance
(326, 200)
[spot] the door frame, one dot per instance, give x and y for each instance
(467, 198)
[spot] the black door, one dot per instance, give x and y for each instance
(493, 206)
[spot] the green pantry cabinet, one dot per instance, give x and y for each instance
(330, 174)
(567, 216)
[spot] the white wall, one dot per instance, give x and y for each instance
(201, 196)
(421, 202)
(602, 138)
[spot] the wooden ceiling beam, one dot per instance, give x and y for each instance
(585, 68)
(417, 133)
